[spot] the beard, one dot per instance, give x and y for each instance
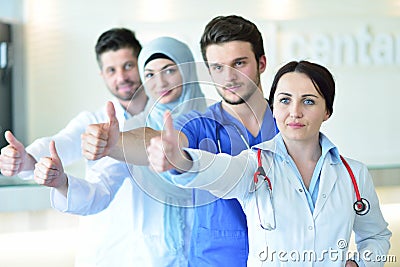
(128, 96)
(252, 87)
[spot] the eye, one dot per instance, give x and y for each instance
(284, 100)
(148, 75)
(217, 68)
(129, 66)
(170, 71)
(309, 102)
(110, 71)
(239, 63)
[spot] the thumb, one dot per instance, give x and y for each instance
(53, 150)
(111, 113)
(168, 124)
(10, 138)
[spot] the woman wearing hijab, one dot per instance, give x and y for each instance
(162, 217)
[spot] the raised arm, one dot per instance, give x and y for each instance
(105, 139)
(218, 173)
(49, 171)
(371, 230)
(165, 150)
(14, 158)
(100, 139)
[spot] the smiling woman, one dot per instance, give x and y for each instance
(162, 78)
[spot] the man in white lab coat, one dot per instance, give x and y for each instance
(105, 237)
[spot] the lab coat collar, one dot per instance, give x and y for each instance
(277, 146)
(329, 176)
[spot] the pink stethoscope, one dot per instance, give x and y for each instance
(361, 205)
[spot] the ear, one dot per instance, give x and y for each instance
(327, 116)
(262, 63)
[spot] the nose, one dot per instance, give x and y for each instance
(230, 74)
(296, 111)
(160, 80)
(121, 76)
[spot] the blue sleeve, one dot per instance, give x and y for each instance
(189, 124)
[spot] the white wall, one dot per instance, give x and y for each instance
(62, 76)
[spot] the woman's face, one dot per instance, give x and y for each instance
(299, 109)
(163, 80)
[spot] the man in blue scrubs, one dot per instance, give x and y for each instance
(233, 50)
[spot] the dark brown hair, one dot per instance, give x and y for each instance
(319, 75)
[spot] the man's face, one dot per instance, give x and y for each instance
(234, 70)
(120, 73)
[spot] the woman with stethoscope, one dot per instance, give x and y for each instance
(301, 198)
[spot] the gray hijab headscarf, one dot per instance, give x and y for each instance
(175, 215)
(192, 98)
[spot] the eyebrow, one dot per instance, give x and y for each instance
(163, 68)
(234, 60)
(305, 95)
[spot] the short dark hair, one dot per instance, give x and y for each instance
(223, 29)
(319, 75)
(115, 39)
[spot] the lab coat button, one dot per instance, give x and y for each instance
(310, 227)
(324, 195)
(300, 190)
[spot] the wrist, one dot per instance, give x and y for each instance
(29, 163)
(63, 189)
(185, 163)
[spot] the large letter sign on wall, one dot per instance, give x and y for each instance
(363, 48)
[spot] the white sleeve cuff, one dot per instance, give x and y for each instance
(184, 179)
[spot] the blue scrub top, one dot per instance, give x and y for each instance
(219, 235)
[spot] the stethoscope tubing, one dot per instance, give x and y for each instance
(361, 206)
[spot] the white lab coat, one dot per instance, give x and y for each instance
(149, 230)
(325, 232)
(106, 238)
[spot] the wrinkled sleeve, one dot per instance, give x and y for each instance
(221, 174)
(68, 142)
(86, 197)
(371, 230)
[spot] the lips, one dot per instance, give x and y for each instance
(125, 87)
(233, 88)
(164, 93)
(295, 125)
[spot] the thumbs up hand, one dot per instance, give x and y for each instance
(13, 157)
(100, 138)
(49, 171)
(165, 151)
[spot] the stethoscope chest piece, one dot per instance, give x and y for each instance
(361, 206)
